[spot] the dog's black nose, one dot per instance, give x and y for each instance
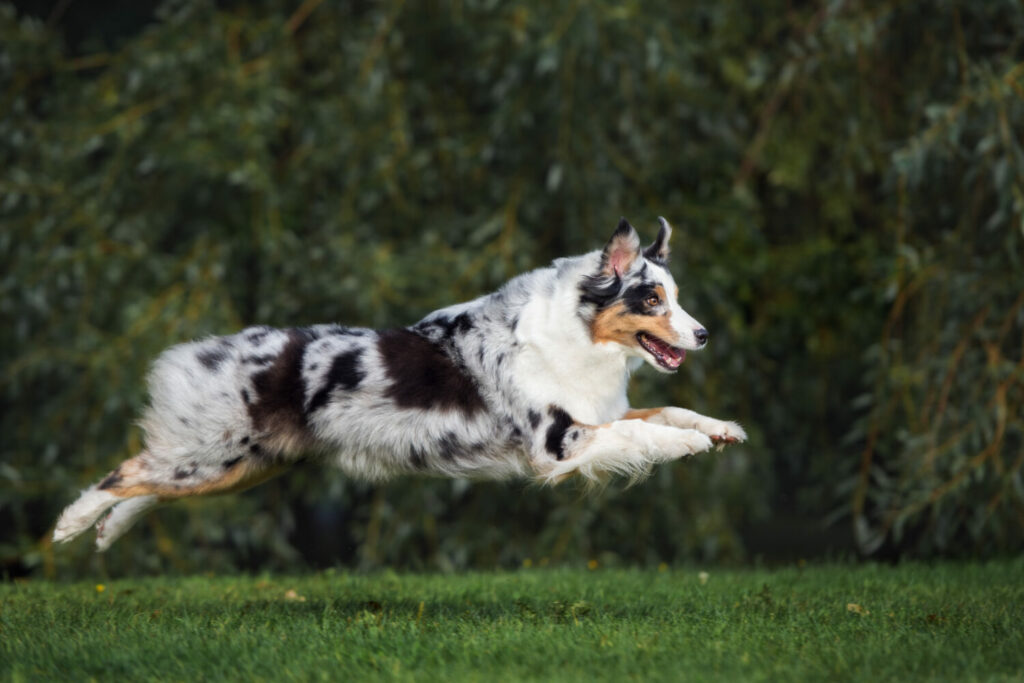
(701, 336)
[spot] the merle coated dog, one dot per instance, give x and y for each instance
(529, 381)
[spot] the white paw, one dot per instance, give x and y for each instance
(81, 514)
(693, 441)
(722, 432)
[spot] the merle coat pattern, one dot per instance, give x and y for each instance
(529, 381)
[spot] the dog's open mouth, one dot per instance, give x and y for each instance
(668, 356)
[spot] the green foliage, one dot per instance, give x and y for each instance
(848, 181)
(837, 623)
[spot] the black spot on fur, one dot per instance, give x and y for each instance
(635, 299)
(228, 464)
(423, 376)
(111, 480)
(346, 372)
(257, 335)
(463, 323)
(444, 328)
(534, 418)
(212, 358)
(185, 472)
(244, 440)
(501, 358)
(260, 360)
(281, 389)
(184, 421)
(255, 449)
(560, 423)
(600, 290)
(418, 459)
(450, 446)
(313, 367)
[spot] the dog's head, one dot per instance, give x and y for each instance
(631, 301)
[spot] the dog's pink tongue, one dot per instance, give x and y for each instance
(675, 357)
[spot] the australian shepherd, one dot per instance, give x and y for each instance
(529, 381)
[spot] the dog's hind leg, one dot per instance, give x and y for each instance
(120, 519)
(83, 513)
(151, 480)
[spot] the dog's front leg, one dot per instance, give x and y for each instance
(627, 447)
(720, 431)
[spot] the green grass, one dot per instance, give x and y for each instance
(957, 622)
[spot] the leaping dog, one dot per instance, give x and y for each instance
(529, 381)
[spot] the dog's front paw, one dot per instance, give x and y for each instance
(722, 433)
(693, 441)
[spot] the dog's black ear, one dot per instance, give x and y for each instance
(622, 250)
(658, 252)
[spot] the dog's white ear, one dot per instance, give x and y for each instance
(658, 252)
(622, 250)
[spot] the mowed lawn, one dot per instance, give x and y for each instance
(957, 622)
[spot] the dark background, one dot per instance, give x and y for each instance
(846, 180)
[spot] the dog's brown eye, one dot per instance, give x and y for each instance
(653, 300)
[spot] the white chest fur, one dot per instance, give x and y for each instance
(559, 365)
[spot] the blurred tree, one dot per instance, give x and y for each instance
(848, 181)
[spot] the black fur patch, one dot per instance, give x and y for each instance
(256, 336)
(280, 389)
(418, 459)
(450, 446)
(245, 397)
(260, 360)
(534, 418)
(345, 372)
(635, 298)
(444, 328)
(212, 358)
(255, 449)
(185, 472)
(228, 464)
(560, 423)
(244, 440)
(463, 323)
(423, 376)
(111, 480)
(600, 290)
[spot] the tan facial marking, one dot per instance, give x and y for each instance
(617, 324)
